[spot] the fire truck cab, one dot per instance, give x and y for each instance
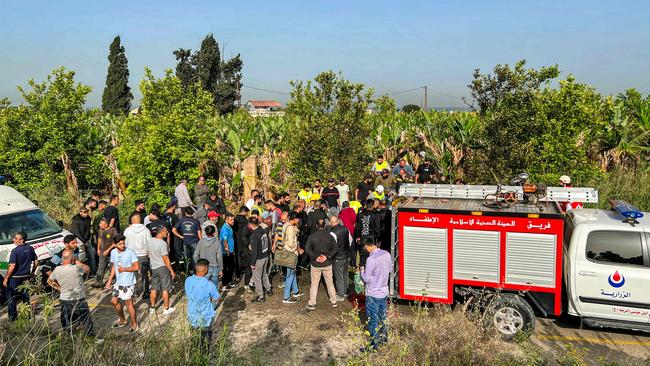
(516, 262)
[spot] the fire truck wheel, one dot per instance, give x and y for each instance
(510, 315)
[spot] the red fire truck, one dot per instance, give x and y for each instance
(448, 246)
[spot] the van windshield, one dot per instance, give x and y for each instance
(35, 223)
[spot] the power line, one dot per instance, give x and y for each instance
(436, 91)
(404, 91)
(265, 90)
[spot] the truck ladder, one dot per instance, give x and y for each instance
(475, 192)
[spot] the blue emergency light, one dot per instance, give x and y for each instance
(626, 210)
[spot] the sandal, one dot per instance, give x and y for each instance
(119, 325)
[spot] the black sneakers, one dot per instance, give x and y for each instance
(259, 299)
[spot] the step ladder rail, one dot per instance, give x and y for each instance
(553, 194)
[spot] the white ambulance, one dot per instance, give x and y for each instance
(17, 213)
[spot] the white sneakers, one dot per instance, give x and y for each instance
(165, 312)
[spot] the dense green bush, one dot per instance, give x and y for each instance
(522, 122)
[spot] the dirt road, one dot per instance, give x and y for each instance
(280, 333)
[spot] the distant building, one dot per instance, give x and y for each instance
(264, 108)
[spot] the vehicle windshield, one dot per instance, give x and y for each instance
(35, 223)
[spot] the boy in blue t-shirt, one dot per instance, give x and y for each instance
(201, 296)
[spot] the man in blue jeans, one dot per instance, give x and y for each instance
(22, 266)
(375, 276)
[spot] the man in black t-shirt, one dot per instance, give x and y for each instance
(363, 189)
(331, 194)
(176, 246)
(425, 172)
(139, 210)
(112, 214)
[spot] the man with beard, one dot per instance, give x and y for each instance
(425, 172)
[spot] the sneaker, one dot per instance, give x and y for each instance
(281, 285)
(169, 311)
(224, 288)
(259, 299)
(335, 305)
(299, 294)
(152, 311)
(248, 288)
(269, 292)
(311, 307)
(290, 300)
(232, 285)
(340, 298)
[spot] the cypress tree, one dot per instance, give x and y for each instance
(208, 64)
(117, 96)
(221, 78)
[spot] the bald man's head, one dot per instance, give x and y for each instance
(334, 221)
(135, 219)
(67, 256)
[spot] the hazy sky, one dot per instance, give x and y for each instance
(388, 45)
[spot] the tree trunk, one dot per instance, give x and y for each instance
(70, 177)
(116, 180)
(250, 175)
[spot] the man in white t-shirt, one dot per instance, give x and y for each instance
(344, 191)
(161, 268)
(125, 265)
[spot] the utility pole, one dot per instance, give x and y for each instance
(239, 92)
(426, 99)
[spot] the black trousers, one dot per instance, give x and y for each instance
(245, 267)
(76, 312)
(203, 338)
(228, 268)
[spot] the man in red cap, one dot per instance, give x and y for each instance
(212, 216)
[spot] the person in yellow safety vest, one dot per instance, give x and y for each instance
(378, 193)
(306, 193)
(356, 205)
(379, 165)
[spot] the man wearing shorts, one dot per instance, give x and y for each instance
(161, 268)
(125, 265)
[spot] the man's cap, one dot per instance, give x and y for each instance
(331, 180)
(212, 214)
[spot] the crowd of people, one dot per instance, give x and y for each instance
(327, 231)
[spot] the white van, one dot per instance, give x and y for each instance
(17, 213)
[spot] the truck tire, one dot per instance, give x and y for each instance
(509, 315)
